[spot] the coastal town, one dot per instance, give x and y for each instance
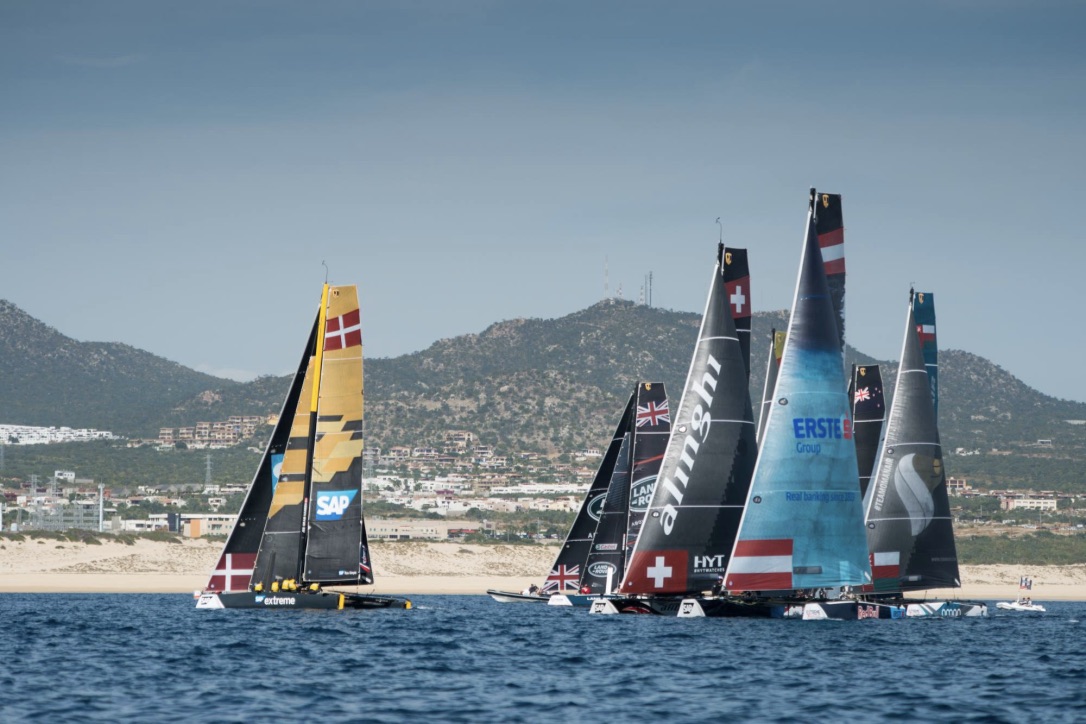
(455, 489)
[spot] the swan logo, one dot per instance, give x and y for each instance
(914, 493)
(332, 503)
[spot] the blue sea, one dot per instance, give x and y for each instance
(130, 657)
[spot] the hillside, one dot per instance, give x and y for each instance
(545, 385)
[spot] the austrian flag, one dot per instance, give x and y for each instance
(343, 331)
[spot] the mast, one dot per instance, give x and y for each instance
(318, 358)
(772, 368)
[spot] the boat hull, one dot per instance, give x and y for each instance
(850, 611)
(724, 607)
(1024, 607)
(946, 609)
(632, 605)
(321, 600)
(577, 600)
(512, 597)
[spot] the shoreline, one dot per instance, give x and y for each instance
(400, 568)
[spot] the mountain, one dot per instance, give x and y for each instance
(543, 385)
(49, 379)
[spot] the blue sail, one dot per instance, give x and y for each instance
(802, 526)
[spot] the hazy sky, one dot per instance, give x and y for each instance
(172, 175)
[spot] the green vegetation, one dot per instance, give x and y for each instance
(1042, 548)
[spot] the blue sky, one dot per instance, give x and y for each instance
(173, 175)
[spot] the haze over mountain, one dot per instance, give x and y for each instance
(545, 385)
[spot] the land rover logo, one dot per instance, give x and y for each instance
(595, 506)
(601, 569)
(641, 494)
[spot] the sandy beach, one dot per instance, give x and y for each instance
(51, 566)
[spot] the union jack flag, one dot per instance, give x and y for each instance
(563, 577)
(863, 394)
(652, 414)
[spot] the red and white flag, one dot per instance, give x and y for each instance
(657, 572)
(343, 331)
(761, 565)
(233, 572)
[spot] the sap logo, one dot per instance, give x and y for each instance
(601, 569)
(259, 598)
(822, 428)
(641, 494)
(332, 503)
(709, 563)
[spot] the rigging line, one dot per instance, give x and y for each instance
(721, 229)
(325, 271)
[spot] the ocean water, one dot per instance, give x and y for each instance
(128, 657)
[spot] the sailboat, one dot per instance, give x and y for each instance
(1024, 602)
(696, 506)
(910, 531)
(301, 524)
(609, 519)
(802, 524)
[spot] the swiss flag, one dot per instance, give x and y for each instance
(232, 572)
(657, 572)
(739, 297)
(343, 331)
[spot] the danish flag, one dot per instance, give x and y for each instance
(232, 572)
(343, 331)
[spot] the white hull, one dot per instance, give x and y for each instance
(1016, 606)
(511, 597)
(209, 600)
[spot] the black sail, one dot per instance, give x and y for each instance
(705, 474)
(868, 416)
(568, 568)
(606, 556)
(651, 429)
(910, 531)
(772, 368)
(235, 566)
(737, 283)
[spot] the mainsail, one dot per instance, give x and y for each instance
(651, 430)
(802, 526)
(909, 528)
(831, 240)
(924, 316)
(737, 283)
(706, 469)
(568, 569)
(868, 415)
(772, 368)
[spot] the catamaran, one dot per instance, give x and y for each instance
(301, 525)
